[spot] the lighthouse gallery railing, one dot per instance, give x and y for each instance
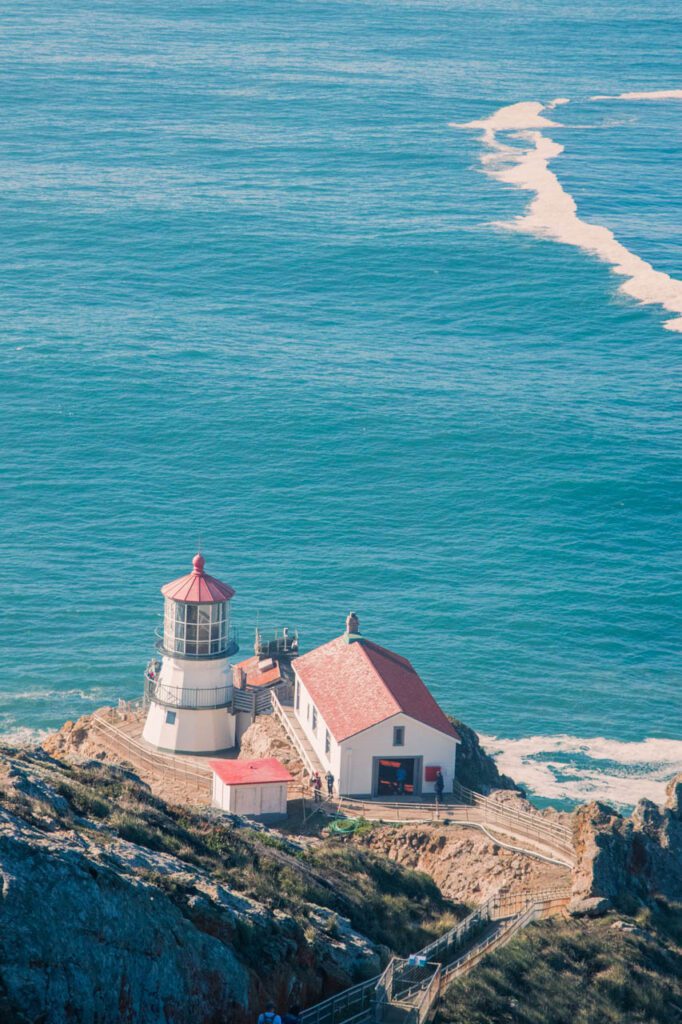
(206, 698)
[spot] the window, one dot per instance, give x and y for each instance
(314, 723)
(298, 696)
(399, 736)
(195, 630)
(327, 742)
(170, 718)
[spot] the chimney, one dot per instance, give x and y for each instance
(352, 628)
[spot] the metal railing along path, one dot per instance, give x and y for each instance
(170, 768)
(561, 833)
(518, 824)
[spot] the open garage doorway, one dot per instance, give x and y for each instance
(396, 776)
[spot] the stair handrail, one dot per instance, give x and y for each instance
(508, 929)
(291, 733)
(485, 913)
(324, 1011)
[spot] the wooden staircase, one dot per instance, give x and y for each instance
(409, 989)
(296, 735)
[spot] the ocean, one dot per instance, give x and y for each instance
(343, 293)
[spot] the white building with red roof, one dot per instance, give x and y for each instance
(254, 789)
(371, 720)
(189, 692)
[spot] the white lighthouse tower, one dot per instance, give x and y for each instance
(190, 691)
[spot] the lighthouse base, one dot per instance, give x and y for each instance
(189, 731)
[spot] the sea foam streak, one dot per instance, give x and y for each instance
(572, 768)
(662, 94)
(553, 213)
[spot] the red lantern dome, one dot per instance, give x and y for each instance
(197, 587)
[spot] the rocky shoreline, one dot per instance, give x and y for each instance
(116, 906)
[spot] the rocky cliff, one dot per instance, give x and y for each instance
(466, 865)
(637, 856)
(476, 769)
(115, 907)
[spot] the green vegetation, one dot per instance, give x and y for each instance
(392, 906)
(400, 908)
(578, 972)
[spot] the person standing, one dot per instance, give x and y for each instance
(400, 777)
(270, 1015)
(439, 786)
(317, 787)
(293, 1015)
(329, 778)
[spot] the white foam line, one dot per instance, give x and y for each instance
(24, 737)
(95, 694)
(636, 770)
(553, 213)
(662, 94)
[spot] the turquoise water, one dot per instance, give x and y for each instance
(252, 291)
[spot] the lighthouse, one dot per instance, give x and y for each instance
(189, 692)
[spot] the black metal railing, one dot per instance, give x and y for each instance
(194, 698)
(275, 643)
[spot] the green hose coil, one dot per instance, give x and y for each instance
(345, 827)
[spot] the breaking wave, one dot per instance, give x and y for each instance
(553, 213)
(574, 769)
(24, 737)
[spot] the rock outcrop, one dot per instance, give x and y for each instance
(636, 856)
(265, 737)
(114, 909)
(476, 769)
(465, 865)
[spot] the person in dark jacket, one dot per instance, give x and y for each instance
(293, 1015)
(439, 786)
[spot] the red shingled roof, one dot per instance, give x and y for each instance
(255, 675)
(197, 587)
(357, 685)
(247, 773)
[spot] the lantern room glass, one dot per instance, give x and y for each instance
(195, 630)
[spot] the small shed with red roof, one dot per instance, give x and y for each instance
(371, 720)
(254, 789)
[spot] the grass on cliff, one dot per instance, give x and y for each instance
(393, 906)
(578, 972)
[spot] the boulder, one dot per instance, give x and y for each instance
(594, 906)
